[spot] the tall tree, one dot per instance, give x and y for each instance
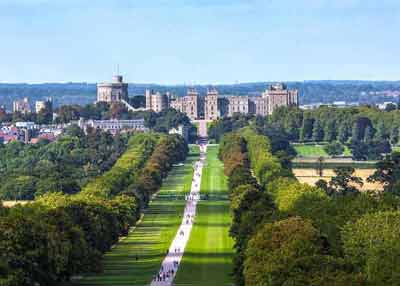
(344, 181)
(306, 130)
(388, 173)
(394, 136)
(359, 126)
(318, 131)
(369, 134)
(344, 132)
(330, 131)
(381, 131)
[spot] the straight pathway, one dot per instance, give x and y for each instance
(169, 266)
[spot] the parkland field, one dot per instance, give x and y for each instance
(137, 257)
(315, 150)
(305, 165)
(208, 256)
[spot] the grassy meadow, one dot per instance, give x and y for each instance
(315, 150)
(208, 255)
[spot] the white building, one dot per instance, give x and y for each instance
(114, 125)
(22, 106)
(41, 104)
(181, 130)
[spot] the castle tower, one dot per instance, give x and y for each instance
(156, 102)
(115, 91)
(211, 105)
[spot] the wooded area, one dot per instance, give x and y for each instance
(61, 235)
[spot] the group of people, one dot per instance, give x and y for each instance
(192, 197)
(166, 275)
(174, 254)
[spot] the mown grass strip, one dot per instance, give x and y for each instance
(208, 256)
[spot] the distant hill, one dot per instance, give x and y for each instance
(310, 91)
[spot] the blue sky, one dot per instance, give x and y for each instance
(203, 41)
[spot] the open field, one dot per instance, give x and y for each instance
(332, 163)
(310, 176)
(10, 204)
(396, 148)
(137, 258)
(315, 150)
(208, 255)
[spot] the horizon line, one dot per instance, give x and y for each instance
(202, 84)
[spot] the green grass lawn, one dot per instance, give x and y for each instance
(208, 255)
(396, 149)
(308, 150)
(150, 239)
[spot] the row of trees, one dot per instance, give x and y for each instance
(287, 233)
(59, 235)
(140, 170)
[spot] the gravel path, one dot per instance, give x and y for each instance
(173, 258)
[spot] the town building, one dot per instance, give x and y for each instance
(383, 106)
(238, 104)
(211, 110)
(43, 104)
(116, 91)
(181, 130)
(22, 106)
(156, 101)
(25, 125)
(279, 95)
(259, 105)
(114, 125)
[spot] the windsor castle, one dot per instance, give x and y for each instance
(210, 106)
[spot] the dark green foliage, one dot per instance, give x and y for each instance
(224, 125)
(126, 169)
(388, 173)
(291, 252)
(372, 150)
(372, 245)
(240, 175)
(306, 129)
(318, 131)
(170, 150)
(167, 119)
(344, 182)
(27, 171)
(334, 148)
(359, 128)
